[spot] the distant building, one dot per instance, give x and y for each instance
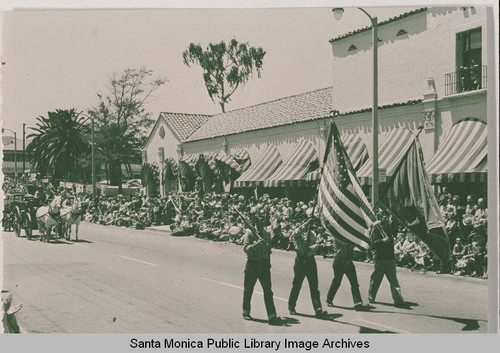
(10, 156)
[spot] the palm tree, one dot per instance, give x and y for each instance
(58, 142)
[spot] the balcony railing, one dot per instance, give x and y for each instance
(465, 79)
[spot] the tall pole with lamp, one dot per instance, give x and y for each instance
(24, 147)
(338, 12)
(94, 191)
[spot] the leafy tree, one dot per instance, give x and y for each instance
(122, 122)
(225, 67)
(59, 140)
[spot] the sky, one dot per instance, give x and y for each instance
(62, 59)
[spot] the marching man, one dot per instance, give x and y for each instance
(257, 246)
(305, 266)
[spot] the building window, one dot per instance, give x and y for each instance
(401, 32)
(352, 47)
(468, 60)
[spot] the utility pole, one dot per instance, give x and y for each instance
(24, 147)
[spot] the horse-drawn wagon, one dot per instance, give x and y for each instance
(20, 214)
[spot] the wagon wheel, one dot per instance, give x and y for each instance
(28, 229)
(17, 222)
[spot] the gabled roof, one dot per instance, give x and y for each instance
(184, 125)
(181, 125)
(392, 19)
(284, 111)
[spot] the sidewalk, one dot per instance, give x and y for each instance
(165, 229)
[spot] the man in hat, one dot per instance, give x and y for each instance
(257, 246)
(305, 266)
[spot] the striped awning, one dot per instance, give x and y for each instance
(463, 154)
(262, 169)
(390, 153)
(229, 160)
(293, 172)
(243, 159)
(356, 150)
(190, 160)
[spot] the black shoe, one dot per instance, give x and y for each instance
(292, 311)
(321, 314)
(329, 303)
(275, 320)
(402, 305)
(362, 307)
(246, 316)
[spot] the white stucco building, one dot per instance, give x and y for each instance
(432, 72)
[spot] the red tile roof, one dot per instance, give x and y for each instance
(284, 111)
(184, 125)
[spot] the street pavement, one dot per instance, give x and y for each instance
(120, 280)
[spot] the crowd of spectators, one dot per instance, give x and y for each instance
(219, 217)
(13, 186)
(467, 223)
(224, 217)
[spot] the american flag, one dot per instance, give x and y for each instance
(343, 208)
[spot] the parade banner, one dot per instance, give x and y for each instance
(409, 196)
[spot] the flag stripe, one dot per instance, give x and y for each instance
(338, 195)
(346, 204)
(335, 229)
(340, 214)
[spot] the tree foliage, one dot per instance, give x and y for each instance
(122, 122)
(59, 140)
(225, 67)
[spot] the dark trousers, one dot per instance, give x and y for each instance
(258, 270)
(305, 267)
(343, 267)
(387, 268)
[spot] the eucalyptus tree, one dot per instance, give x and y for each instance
(226, 67)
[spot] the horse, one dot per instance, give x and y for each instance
(71, 215)
(48, 217)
